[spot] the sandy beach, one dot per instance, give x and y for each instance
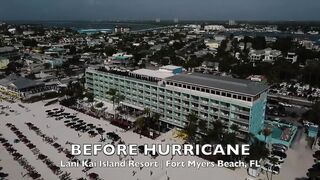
(35, 113)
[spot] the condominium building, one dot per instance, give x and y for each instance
(175, 95)
(266, 55)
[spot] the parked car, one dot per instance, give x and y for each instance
(274, 165)
(280, 146)
(274, 170)
(279, 153)
(279, 149)
(279, 159)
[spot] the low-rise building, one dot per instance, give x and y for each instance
(19, 87)
(291, 56)
(213, 44)
(8, 52)
(266, 55)
(4, 62)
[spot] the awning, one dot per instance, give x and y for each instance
(133, 106)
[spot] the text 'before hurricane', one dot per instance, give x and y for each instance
(159, 149)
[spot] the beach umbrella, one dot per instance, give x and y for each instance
(17, 154)
(7, 144)
(141, 149)
(34, 175)
(14, 128)
(56, 145)
(70, 156)
(155, 154)
(93, 175)
(4, 141)
(31, 146)
(25, 141)
(29, 124)
(41, 156)
(3, 174)
(67, 121)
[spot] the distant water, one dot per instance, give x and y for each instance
(141, 25)
(77, 25)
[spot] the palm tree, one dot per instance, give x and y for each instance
(191, 127)
(234, 128)
(266, 132)
(140, 124)
(156, 120)
(112, 93)
(258, 150)
(273, 161)
(202, 124)
(215, 134)
(116, 98)
(147, 112)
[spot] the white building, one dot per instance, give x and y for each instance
(291, 56)
(213, 44)
(267, 55)
(214, 28)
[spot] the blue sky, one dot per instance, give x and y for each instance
(164, 9)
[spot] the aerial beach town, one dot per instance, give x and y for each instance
(159, 99)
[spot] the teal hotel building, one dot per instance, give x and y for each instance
(174, 94)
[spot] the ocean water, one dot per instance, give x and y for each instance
(77, 25)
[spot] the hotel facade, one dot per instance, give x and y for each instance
(175, 94)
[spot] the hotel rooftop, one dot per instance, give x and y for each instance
(221, 82)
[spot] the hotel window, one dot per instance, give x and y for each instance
(184, 86)
(240, 97)
(234, 96)
(228, 95)
(188, 87)
(198, 89)
(217, 92)
(193, 88)
(179, 85)
(249, 99)
(244, 98)
(213, 92)
(223, 94)
(203, 90)
(207, 90)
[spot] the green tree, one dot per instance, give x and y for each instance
(313, 115)
(266, 132)
(258, 150)
(116, 98)
(191, 127)
(259, 42)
